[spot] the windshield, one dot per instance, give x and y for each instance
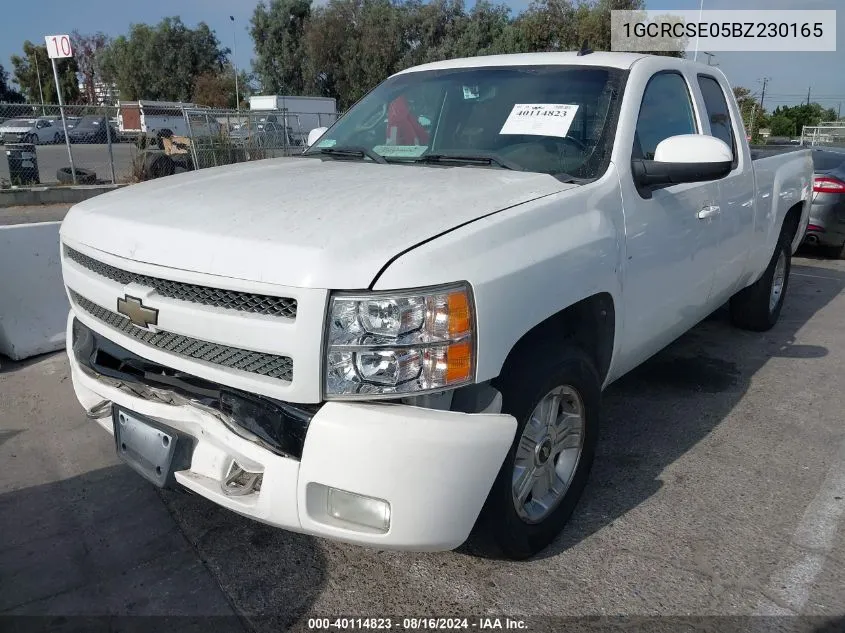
(549, 119)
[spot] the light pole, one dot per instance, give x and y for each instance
(235, 65)
(700, 13)
(40, 89)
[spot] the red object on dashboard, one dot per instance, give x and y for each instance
(826, 184)
(402, 127)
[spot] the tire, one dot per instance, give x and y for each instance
(30, 138)
(57, 138)
(524, 387)
(182, 162)
(83, 176)
(756, 308)
(159, 165)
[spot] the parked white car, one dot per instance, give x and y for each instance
(41, 130)
(405, 333)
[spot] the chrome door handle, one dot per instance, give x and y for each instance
(709, 211)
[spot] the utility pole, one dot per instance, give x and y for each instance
(763, 95)
(808, 95)
(839, 113)
(753, 113)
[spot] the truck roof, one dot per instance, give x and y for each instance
(613, 60)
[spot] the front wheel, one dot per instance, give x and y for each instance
(556, 404)
(758, 306)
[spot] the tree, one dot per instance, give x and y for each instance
(749, 108)
(343, 48)
(161, 62)
(277, 33)
(804, 114)
(87, 50)
(35, 64)
(217, 89)
(782, 126)
(564, 25)
(7, 93)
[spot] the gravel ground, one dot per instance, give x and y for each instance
(717, 491)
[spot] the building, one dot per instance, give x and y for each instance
(104, 94)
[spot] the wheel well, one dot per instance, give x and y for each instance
(791, 221)
(590, 324)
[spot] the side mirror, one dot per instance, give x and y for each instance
(315, 134)
(683, 158)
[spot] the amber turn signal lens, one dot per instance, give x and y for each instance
(460, 317)
(458, 362)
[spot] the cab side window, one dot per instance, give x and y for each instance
(717, 112)
(666, 110)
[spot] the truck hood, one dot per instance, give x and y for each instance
(300, 222)
(18, 129)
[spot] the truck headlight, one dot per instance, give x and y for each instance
(385, 343)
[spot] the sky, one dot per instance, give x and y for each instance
(791, 74)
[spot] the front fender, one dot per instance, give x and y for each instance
(526, 263)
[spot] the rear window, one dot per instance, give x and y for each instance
(717, 111)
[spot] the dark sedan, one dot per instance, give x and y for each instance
(827, 215)
(91, 129)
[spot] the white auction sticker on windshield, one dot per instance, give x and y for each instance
(400, 151)
(540, 119)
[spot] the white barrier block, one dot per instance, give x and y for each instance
(33, 303)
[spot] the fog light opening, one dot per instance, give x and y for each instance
(239, 481)
(358, 509)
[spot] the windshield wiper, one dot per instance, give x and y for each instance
(350, 151)
(477, 158)
(569, 178)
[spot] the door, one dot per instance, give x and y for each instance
(43, 130)
(736, 191)
(672, 234)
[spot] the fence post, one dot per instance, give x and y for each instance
(64, 122)
(194, 153)
(108, 140)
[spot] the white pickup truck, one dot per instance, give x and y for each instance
(405, 332)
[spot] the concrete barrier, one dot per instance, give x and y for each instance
(52, 195)
(33, 303)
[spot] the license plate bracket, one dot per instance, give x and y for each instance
(144, 445)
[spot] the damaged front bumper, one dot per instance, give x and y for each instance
(304, 468)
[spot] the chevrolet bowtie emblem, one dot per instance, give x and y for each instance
(137, 312)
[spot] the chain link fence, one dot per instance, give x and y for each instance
(35, 151)
(108, 145)
(829, 134)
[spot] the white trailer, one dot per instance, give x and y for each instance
(152, 117)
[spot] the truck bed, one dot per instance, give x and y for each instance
(765, 151)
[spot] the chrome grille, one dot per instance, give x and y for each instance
(217, 297)
(270, 365)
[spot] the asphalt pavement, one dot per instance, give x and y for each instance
(718, 491)
(33, 213)
(88, 156)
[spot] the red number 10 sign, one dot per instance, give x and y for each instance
(58, 46)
